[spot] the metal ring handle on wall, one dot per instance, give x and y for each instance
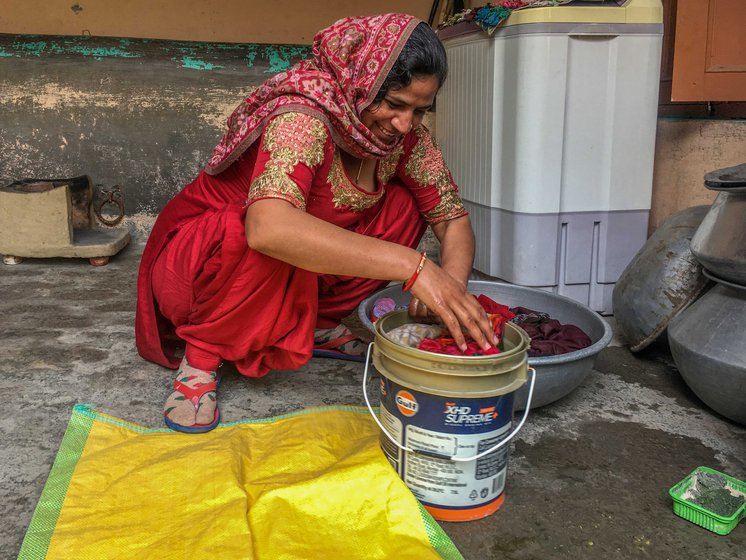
(115, 198)
(500, 444)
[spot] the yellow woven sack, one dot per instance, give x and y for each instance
(312, 484)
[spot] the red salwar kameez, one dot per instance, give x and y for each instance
(202, 286)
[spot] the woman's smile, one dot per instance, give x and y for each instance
(401, 110)
(387, 136)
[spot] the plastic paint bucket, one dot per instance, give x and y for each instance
(446, 420)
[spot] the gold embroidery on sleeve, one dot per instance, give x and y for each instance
(344, 193)
(290, 138)
(449, 207)
(426, 166)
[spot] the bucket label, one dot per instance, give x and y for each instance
(441, 428)
(406, 403)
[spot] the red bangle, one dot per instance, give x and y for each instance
(413, 279)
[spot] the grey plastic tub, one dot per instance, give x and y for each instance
(556, 376)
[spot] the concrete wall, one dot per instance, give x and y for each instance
(685, 150)
(137, 93)
(139, 113)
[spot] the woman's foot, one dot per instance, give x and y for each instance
(338, 342)
(193, 406)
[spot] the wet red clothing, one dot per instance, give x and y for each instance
(200, 283)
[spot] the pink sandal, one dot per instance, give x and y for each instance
(194, 394)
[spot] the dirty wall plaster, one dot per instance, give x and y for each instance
(685, 150)
(139, 113)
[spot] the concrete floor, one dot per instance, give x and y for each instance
(588, 475)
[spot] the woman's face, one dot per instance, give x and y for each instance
(401, 110)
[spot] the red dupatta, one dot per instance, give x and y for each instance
(351, 59)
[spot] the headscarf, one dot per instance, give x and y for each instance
(350, 61)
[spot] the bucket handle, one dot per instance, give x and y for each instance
(494, 448)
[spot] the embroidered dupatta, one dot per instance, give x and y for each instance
(351, 59)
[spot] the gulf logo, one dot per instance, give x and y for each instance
(406, 403)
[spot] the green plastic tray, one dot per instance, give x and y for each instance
(702, 516)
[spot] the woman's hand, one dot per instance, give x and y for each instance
(441, 293)
(420, 312)
(437, 294)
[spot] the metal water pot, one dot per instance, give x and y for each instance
(662, 279)
(708, 344)
(719, 243)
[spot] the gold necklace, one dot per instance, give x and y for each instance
(359, 169)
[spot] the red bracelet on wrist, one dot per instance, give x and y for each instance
(413, 279)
